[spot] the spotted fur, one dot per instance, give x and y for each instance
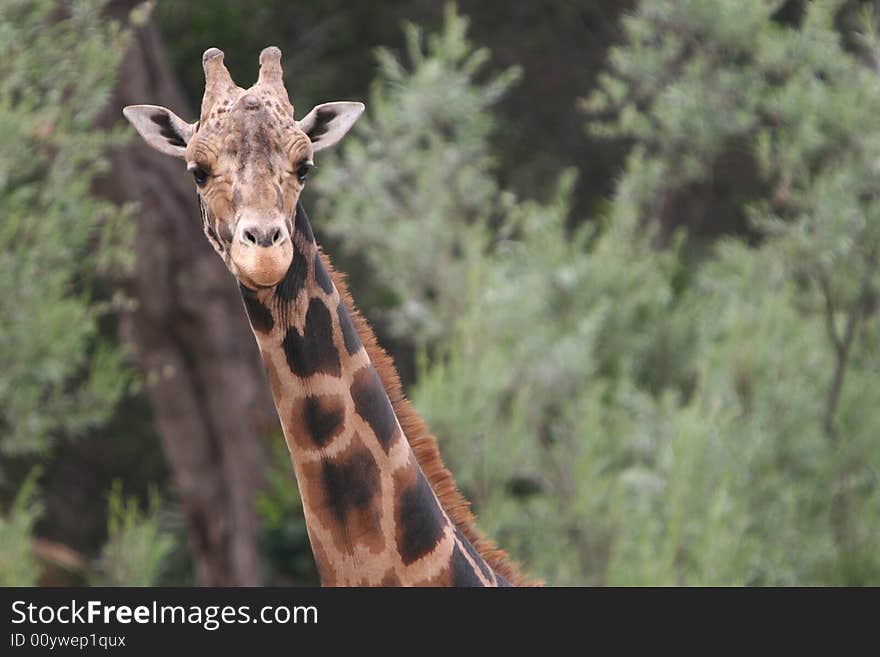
(424, 446)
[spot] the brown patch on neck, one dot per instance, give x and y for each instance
(424, 445)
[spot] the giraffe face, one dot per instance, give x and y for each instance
(249, 159)
(249, 164)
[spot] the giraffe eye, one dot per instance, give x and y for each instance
(303, 171)
(199, 174)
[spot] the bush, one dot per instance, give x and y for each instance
(628, 404)
(61, 247)
(17, 566)
(414, 193)
(57, 376)
(137, 546)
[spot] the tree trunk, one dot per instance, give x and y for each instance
(188, 332)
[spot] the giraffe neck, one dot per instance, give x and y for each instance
(372, 516)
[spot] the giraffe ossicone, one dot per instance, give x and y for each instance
(380, 507)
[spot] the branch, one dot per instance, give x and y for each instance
(841, 501)
(830, 312)
(843, 346)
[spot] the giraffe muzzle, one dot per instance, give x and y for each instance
(262, 252)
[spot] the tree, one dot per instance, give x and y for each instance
(630, 403)
(62, 250)
(58, 244)
(688, 87)
(414, 194)
(57, 241)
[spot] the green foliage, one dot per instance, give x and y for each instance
(543, 398)
(17, 567)
(784, 332)
(414, 193)
(626, 414)
(137, 546)
(61, 248)
(57, 69)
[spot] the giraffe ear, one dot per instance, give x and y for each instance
(327, 123)
(161, 128)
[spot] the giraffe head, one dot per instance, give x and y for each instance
(249, 158)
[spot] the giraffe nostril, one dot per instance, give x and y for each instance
(276, 236)
(249, 237)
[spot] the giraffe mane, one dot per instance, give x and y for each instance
(424, 444)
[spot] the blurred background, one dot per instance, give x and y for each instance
(625, 255)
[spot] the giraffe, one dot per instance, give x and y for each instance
(381, 509)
